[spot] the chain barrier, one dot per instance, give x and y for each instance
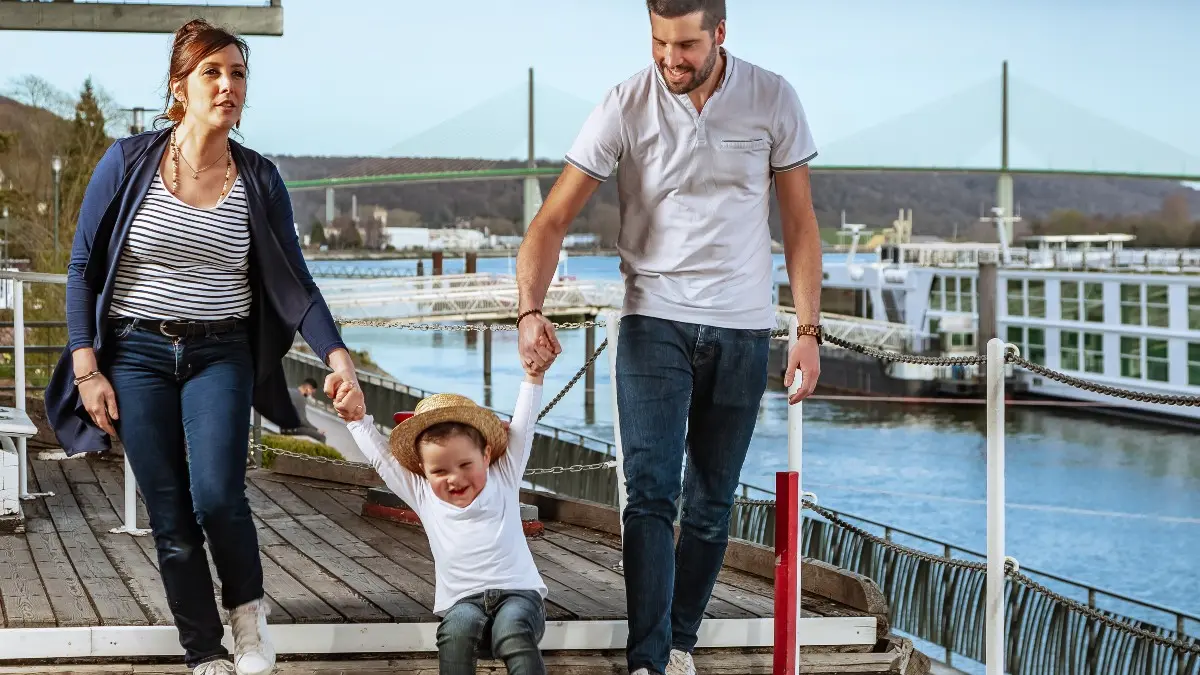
(464, 327)
(278, 452)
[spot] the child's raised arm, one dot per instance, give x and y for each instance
(522, 428)
(376, 449)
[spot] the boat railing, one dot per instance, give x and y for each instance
(970, 255)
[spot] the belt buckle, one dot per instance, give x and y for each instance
(162, 328)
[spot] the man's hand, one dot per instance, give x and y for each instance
(804, 356)
(536, 343)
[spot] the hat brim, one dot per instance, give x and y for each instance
(404, 436)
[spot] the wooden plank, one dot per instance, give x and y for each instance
(114, 603)
(25, 602)
(301, 604)
(344, 541)
(416, 540)
(137, 573)
(417, 583)
(726, 601)
(563, 663)
(64, 589)
(111, 479)
(398, 605)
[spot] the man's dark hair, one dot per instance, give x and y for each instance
(714, 10)
(310, 382)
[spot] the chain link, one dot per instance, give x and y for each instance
(1164, 399)
(459, 327)
(1094, 613)
(586, 364)
(574, 468)
(885, 355)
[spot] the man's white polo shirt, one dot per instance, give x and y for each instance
(695, 190)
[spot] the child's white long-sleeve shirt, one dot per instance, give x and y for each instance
(481, 546)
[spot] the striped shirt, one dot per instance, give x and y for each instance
(183, 262)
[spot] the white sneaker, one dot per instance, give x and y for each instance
(218, 667)
(640, 671)
(253, 652)
(681, 663)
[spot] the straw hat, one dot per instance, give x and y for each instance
(440, 408)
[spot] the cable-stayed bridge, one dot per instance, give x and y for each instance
(1003, 125)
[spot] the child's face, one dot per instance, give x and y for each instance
(456, 469)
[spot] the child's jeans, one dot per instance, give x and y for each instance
(510, 623)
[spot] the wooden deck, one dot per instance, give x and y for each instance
(324, 563)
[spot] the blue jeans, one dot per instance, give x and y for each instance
(511, 623)
(681, 388)
(184, 419)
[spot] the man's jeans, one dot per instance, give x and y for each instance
(680, 386)
(511, 623)
(184, 419)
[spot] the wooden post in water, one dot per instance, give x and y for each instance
(986, 288)
(420, 268)
(437, 263)
(487, 367)
(469, 263)
(589, 378)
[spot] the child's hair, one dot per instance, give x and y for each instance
(443, 431)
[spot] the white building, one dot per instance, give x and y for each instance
(401, 238)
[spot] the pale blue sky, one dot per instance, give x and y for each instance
(361, 76)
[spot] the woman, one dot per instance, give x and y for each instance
(185, 290)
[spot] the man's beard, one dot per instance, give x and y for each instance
(698, 76)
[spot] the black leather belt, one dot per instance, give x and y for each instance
(184, 329)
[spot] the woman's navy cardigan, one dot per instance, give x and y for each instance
(285, 298)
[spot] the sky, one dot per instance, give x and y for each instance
(360, 77)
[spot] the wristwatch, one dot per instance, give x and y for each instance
(815, 330)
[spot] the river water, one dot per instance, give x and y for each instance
(1111, 503)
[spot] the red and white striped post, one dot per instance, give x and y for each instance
(788, 537)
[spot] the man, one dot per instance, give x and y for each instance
(300, 397)
(696, 139)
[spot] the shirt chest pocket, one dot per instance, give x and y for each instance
(741, 163)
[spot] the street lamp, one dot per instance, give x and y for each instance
(56, 164)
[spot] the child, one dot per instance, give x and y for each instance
(460, 470)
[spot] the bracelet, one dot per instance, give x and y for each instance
(85, 378)
(815, 330)
(526, 313)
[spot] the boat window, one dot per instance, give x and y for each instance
(1093, 353)
(1016, 297)
(1131, 304)
(1069, 291)
(966, 293)
(1069, 358)
(1093, 302)
(1158, 308)
(1036, 297)
(1194, 308)
(1194, 364)
(1131, 357)
(935, 293)
(1157, 363)
(1031, 342)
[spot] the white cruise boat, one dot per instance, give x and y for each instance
(1085, 305)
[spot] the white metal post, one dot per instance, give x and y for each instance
(994, 614)
(19, 393)
(612, 323)
(130, 526)
(796, 463)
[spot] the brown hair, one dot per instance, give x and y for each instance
(714, 10)
(443, 431)
(195, 41)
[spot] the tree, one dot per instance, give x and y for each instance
(86, 144)
(316, 237)
(1175, 211)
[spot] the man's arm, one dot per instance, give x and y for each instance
(802, 255)
(591, 159)
(801, 242)
(538, 256)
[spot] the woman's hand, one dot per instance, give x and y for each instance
(341, 386)
(100, 401)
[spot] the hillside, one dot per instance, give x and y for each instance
(940, 202)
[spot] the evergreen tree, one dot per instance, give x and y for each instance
(85, 145)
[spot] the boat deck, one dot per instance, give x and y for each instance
(338, 582)
(323, 562)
